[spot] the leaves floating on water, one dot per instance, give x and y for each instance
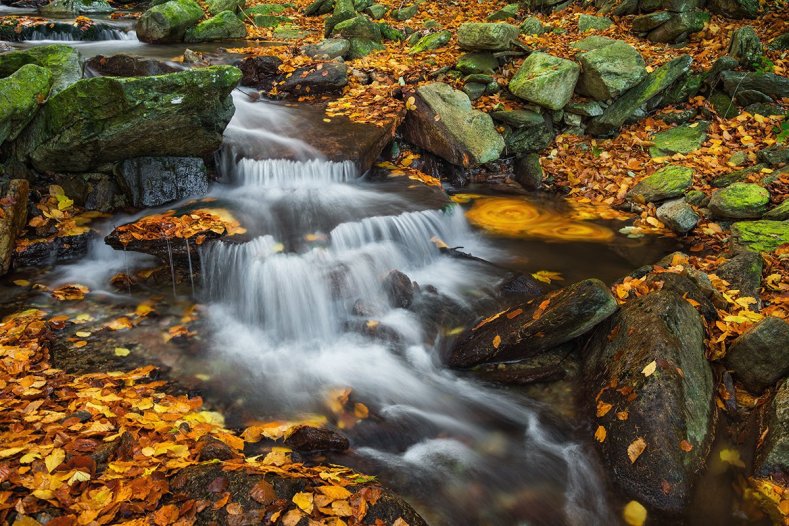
(71, 292)
(546, 276)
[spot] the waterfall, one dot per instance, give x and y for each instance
(77, 35)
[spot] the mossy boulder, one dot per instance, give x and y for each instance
(471, 63)
(261, 9)
(445, 124)
(376, 11)
(217, 6)
(780, 212)
(609, 71)
(102, 120)
(431, 41)
(545, 80)
(223, 26)
(589, 22)
(328, 49)
(60, 59)
(271, 20)
(21, 94)
(507, 12)
(76, 7)
(667, 183)
(168, 22)
(404, 13)
(361, 47)
(739, 201)
(681, 139)
(359, 27)
(761, 236)
(745, 47)
(533, 26)
(734, 8)
(475, 36)
(759, 357)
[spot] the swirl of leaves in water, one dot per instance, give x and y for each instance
(513, 217)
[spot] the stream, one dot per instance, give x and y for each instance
(284, 313)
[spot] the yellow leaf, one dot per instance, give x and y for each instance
(28, 458)
(335, 492)
(122, 351)
(600, 434)
(496, 341)
(732, 456)
(603, 408)
(21, 283)
(635, 449)
(10, 452)
(78, 476)
(304, 501)
(649, 369)
(546, 276)
(634, 514)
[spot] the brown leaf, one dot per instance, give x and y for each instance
(635, 449)
(263, 492)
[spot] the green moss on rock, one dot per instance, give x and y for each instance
(682, 139)
(223, 26)
(168, 22)
(740, 201)
(666, 183)
(761, 236)
(60, 59)
(486, 36)
(20, 96)
(431, 41)
(545, 80)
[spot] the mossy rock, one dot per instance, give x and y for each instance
(168, 22)
(533, 26)
(507, 12)
(486, 36)
(60, 59)
(391, 33)
(263, 9)
(761, 236)
(739, 201)
(224, 26)
(589, 23)
(217, 6)
(723, 105)
(76, 7)
(780, 212)
(745, 47)
(376, 11)
(404, 13)
(668, 182)
(101, 120)
(593, 42)
(21, 94)
(361, 47)
(431, 42)
(682, 139)
(359, 27)
(271, 20)
(609, 71)
(545, 80)
(471, 63)
(289, 32)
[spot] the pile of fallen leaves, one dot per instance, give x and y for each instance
(198, 224)
(105, 448)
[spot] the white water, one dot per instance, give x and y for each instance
(282, 309)
(41, 37)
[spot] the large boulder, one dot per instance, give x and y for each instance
(444, 123)
(486, 36)
(168, 22)
(759, 357)
(739, 201)
(761, 236)
(154, 181)
(75, 7)
(609, 71)
(106, 119)
(224, 26)
(20, 96)
(531, 328)
(652, 86)
(670, 27)
(734, 8)
(60, 59)
(652, 393)
(545, 80)
(669, 182)
(772, 457)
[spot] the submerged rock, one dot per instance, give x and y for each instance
(647, 362)
(545, 80)
(168, 22)
(60, 59)
(444, 123)
(107, 119)
(154, 181)
(739, 201)
(531, 328)
(21, 94)
(759, 357)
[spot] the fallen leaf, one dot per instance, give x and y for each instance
(635, 449)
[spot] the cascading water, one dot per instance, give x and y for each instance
(75, 35)
(286, 308)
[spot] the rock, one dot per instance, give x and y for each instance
(779, 43)
(94, 191)
(361, 47)
(154, 181)
(309, 439)
(505, 13)
(376, 11)
(770, 84)
(472, 63)
(12, 220)
(545, 80)
(359, 27)
(780, 212)
(326, 77)
(627, 105)
(774, 155)
(589, 108)
(593, 42)
(474, 90)
(63, 249)
(107, 119)
(260, 72)
(772, 457)
(328, 49)
(533, 26)
(723, 105)
(678, 215)
(445, 124)
(745, 47)
(217, 6)
(399, 289)
(667, 183)
(759, 357)
(527, 131)
(744, 273)
(224, 26)
(546, 367)
(725, 180)
(761, 236)
(405, 13)
(486, 36)
(724, 63)
(650, 21)
(589, 22)
(431, 41)
(739, 201)
(528, 172)
(127, 66)
(168, 22)
(660, 331)
(75, 7)
(685, 286)
(60, 59)
(734, 8)
(609, 71)
(681, 139)
(749, 97)
(679, 27)
(194, 483)
(764, 109)
(516, 334)
(21, 94)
